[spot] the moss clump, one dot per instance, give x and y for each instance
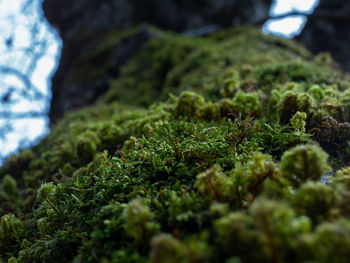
(299, 121)
(189, 104)
(165, 248)
(304, 162)
(247, 104)
(214, 183)
(316, 200)
(292, 102)
(234, 166)
(330, 242)
(85, 149)
(138, 223)
(10, 228)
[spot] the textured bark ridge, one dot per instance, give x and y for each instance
(87, 64)
(327, 30)
(84, 24)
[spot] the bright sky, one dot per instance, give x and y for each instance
(16, 25)
(289, 26)
(12, 20)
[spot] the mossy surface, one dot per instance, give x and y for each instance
(241, 157)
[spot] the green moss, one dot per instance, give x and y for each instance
(165, 248)
(304, 162)
(317, 92)
(331, 241)
(189, 104)
(278, 229)
(85, 149)
(214, 184)
(138, 222)
(299, 121)
(235, 228)
(247, 104)
(316, 200)
(16, 164)
(10, 228)
(172, 63)
(223, 169)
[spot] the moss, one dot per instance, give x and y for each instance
(172, 63)
(68, 169)
(226, 168)
(165, 248)
(226, 107)
(236, 228)
(9, 188)
(10, 228)
(138, 223)
(316, 200)
(299, 121)
(260, 168)
(304, 162)
(247, 104)
(291, 103)
(189, 104)
(343, 176)
(85, 149)
(16, 164)
(268, 225)
(214, 184)
(278, 229)
(317, 92)
(45, 227)
(331, 241)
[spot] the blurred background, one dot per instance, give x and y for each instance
(29, 55)
(31, 48)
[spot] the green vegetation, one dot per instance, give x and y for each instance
(228, 148)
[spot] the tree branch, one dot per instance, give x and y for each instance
(23, 78)
(319, 13)
(343, 13)
(21, 115)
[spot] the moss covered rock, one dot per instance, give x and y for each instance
(207, 149)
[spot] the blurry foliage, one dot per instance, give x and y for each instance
(228, 169)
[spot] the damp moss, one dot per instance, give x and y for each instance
(226, 148)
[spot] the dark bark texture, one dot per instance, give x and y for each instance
(328, 30)
(82, 24)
